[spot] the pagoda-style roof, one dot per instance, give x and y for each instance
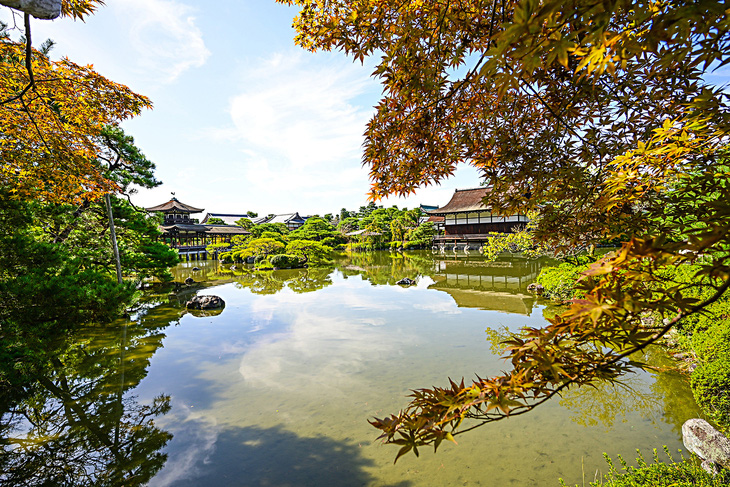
(464, 200)
(175, 205)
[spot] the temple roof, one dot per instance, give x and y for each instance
(228, 218)
(464, 200)
(174, 204)
(283, 218)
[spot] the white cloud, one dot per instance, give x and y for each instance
(164, 36)
(298, 122)
(336, 348)
(302, 110)
(194, 441)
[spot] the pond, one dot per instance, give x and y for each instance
(276, 389)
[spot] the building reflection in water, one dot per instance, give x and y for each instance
(499, 286)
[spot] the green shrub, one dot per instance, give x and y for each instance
(284, 261)
(713, 342)
(559, 282)
(711, 387)
(687, 473)
(707, 335)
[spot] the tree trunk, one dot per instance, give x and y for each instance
(113, 235)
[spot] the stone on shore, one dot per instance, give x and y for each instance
(706, 442)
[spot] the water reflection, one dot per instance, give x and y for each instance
(499, 286)
(658, 394)
(79, 426)
(318, 351)
(275, 389)
(290, 460)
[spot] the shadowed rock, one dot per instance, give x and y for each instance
(535, 288)
(205, 302)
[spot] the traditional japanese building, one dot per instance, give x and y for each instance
(291, 220)
(467, 219)
(185, 234)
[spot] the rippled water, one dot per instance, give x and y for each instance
(276, 389)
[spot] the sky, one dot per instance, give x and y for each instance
(243, 119)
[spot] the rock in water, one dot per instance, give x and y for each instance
(406, 282)
(205, 302)
(706, 442)
(189, 281)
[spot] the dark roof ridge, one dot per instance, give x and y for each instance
(474, 189)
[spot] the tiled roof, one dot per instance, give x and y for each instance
(186, 227)
(283, 218)
(174, 204)
(228, 218)
(464, 200)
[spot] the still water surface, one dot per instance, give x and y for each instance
(276, 389)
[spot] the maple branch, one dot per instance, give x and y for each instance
(28, 64)
(659, 334)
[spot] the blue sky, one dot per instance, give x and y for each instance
(243, 119)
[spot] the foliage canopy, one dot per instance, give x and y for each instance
(597, 114)
(53, 114)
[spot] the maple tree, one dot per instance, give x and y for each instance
(52, 113)
(597, 114)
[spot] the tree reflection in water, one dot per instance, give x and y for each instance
(608, 402)
(77, 426)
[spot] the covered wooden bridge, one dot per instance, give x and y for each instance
(185, 234)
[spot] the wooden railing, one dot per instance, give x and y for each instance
(463, 236)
